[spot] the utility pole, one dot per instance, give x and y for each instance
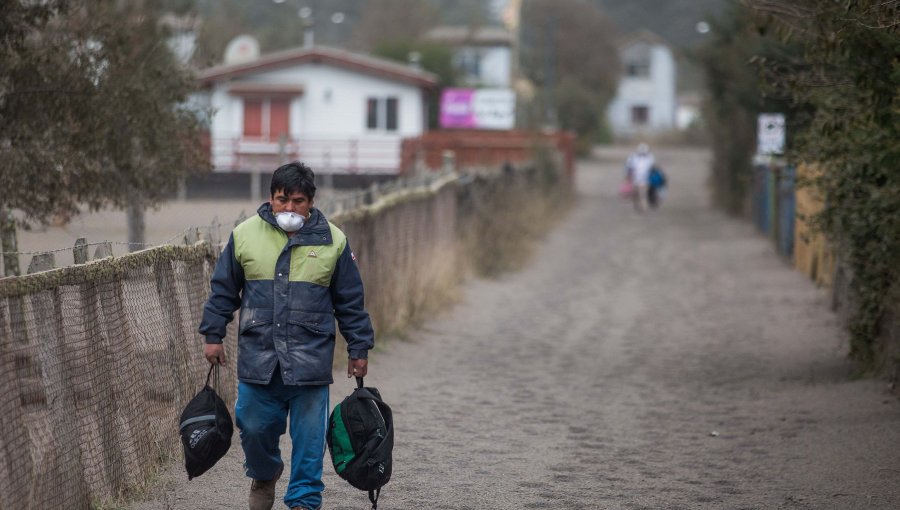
(550, 72)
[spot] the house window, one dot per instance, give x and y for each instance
(268, 119)
(382, 113)
(391, 114)
(372, 113)
(636, 58)
(468, 63)
(640, 115)
(638, 69)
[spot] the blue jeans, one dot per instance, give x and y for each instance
(261, 412)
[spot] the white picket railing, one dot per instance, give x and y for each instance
(368, 155)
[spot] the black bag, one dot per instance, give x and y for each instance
(205, 428)
(361, 438)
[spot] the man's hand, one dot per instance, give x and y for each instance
(214, 353)
(357, 367)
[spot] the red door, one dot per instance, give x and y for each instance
(279, 119)
(253, 118)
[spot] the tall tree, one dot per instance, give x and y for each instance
(470, 13)
(572, 40)
(392, 21)
(737, 94)
(93, 108)
(433, 57)
(673, 20)
(848, 73)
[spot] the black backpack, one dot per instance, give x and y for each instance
(205, 427)
(361, 438)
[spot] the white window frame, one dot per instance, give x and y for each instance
(381, 114)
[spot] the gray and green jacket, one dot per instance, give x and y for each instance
(289, 290)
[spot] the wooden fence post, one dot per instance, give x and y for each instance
(8, 244)
(80, 251)
(104, 250)
(191, 236)
(41, 262)
(215, 234)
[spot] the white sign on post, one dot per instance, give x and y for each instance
(770, 133)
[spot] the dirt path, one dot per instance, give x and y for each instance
(664, 361)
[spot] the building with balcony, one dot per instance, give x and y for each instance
(340, 112)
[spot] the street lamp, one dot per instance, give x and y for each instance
(309, 23)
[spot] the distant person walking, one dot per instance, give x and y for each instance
(656, 186)
(291, 272)
(638, 165)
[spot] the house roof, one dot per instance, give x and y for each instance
(463, 35)
(641, 36)
(267, 89)
(358, 62)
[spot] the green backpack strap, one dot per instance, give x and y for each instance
(373, 495)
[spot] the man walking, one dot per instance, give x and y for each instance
(291, 273)
(638, 166)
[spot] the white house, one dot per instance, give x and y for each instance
(482, 56)
(645, 100)
(341, 112)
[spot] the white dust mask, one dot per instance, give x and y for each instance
(289, 221)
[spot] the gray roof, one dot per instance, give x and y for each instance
(338, 57)
(463, 35)
(641, 36)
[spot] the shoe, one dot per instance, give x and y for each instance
(262, 492)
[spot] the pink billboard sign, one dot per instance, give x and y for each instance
(458, 108)
(478, 109)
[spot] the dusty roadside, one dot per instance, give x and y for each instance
(663, 361)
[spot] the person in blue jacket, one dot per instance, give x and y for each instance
(657, 186)
(291, 273)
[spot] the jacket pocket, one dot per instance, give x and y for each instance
(310, 345)
(313, 322)
(256, 346)
(255, 319)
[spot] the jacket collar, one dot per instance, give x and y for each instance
(315, 230)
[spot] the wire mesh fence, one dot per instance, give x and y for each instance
(97, 360)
